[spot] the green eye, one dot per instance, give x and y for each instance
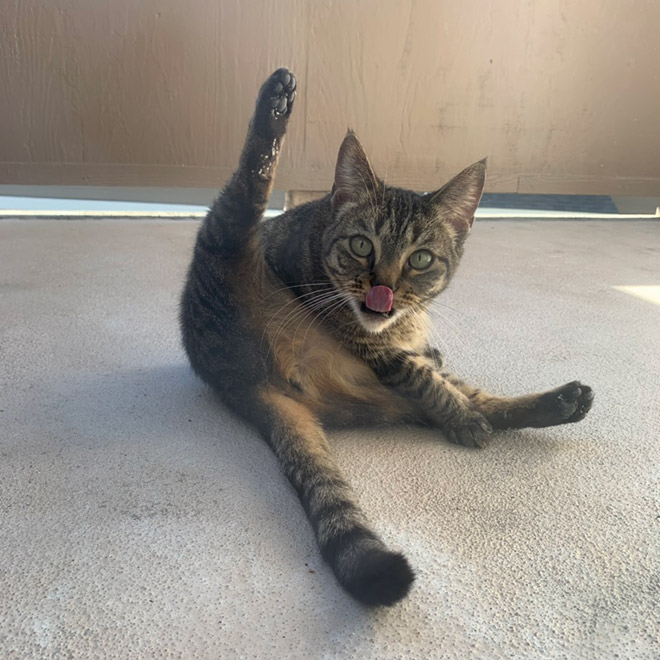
(362, 246)
(421, 259)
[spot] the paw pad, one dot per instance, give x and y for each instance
(280, 90)
(573, 401)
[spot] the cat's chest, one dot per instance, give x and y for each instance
(319, 366)
(316, 366)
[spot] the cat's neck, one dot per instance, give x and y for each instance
(292, 243)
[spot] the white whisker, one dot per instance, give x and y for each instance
(301, 313)
(298, 299)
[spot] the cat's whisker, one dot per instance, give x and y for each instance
(449, 324)
(303, 296)
(290, 302)
(318, 304)
(421, 312)
(459, 326)
(296, 286)
(472, 322)
(435, 335)
(462, 346)
(455, 339)
(451, 332)
(318, 309)
(324, 314)
(292, 315)
(290, 318)
(301, 318)
(303, 311)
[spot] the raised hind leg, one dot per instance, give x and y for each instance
(564, 405)
(241, 204)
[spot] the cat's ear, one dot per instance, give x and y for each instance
(456, 202)
(354, 177)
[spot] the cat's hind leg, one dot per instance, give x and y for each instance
(241, 204)
(564, 405)
(363, 565)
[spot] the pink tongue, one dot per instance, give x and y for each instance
(380, 299)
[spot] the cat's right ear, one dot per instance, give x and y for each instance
(355, 180)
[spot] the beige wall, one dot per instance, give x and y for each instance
(564, 96)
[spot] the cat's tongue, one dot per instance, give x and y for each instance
(380, 299)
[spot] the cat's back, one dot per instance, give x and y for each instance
(297, 226)
(222, 286)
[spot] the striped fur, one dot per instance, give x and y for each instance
(272, 317)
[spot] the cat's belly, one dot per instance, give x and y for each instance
(338, 386)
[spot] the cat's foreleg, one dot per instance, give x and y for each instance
(360, 560)
(417, 377)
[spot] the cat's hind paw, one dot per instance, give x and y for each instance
(564, 405)
(275, 103)
(568, 403)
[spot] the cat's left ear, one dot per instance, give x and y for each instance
(457, 201)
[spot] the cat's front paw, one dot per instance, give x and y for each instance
(275, 103)
(565, 405)
(474, 431)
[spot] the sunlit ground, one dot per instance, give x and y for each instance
(650, 293)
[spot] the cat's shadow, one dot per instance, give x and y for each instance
(169, 398)
(161, 413)
(164, 412)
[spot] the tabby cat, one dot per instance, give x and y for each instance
(317, 318)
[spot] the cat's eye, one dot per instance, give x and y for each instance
(362, 246)
(421, 259)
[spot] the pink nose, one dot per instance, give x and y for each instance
(380, 299)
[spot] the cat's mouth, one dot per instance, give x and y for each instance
(374, 321)
(376, 310)
(383, 315)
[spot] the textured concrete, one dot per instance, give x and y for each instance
(138, 519)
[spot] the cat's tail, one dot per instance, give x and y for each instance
(364, 566)
(362, 563)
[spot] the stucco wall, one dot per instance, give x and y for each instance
(563, 96)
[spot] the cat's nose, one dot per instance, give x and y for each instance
(386, 274)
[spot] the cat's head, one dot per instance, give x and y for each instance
(390, 251)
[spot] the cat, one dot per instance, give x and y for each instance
(317, 318)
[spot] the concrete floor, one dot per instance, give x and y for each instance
(140, 520)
